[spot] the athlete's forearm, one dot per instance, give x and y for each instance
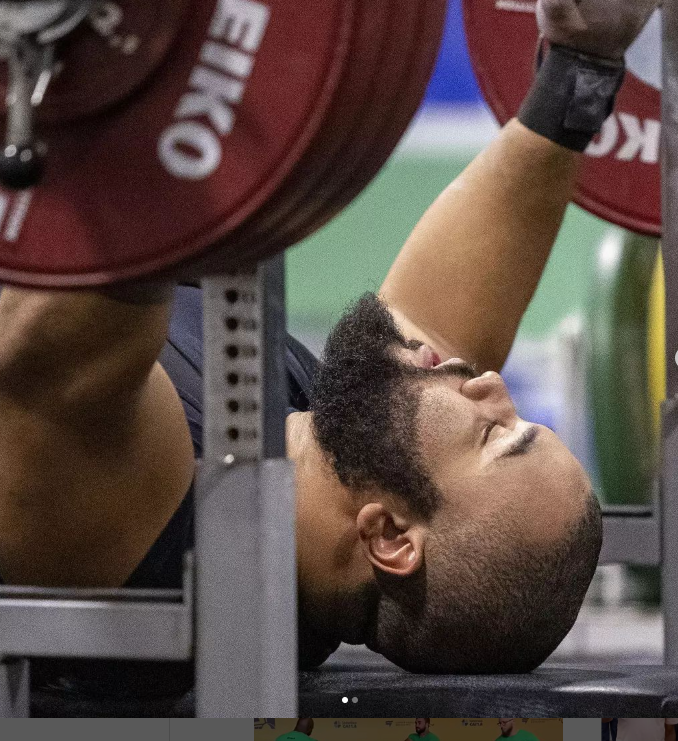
(470, 267)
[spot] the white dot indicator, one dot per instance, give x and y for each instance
(676, 358)
(344, 700)
(354, 700)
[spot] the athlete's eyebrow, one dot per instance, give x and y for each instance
(523, 444)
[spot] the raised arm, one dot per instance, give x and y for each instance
(95, 453)
(466, 275)
(468, 271)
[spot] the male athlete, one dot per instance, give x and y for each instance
(302, 731)
(421, 731)
(510, 730)
(433, 524)
(645, 729)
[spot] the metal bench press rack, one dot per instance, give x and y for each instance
(243, 635)
(236, 612)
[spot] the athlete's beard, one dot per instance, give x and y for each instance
(364, 402)
(320, 629)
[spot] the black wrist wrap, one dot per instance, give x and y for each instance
(571, 96)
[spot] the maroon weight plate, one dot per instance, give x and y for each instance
(184, 161)
(425, 32)
(620, 177)
(394, 64)
(109, 56)
(314, 171)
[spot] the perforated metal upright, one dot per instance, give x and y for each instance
(649, 535)
(669, 472)
(236, 610)
(246, 658)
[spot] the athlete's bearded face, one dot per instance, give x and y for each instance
(391, 416)
(392, 419)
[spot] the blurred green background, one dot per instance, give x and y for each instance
(353, 253)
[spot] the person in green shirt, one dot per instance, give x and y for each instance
(509, 730)
(302, 731)
(421, 731)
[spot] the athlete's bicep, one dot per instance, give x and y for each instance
(82, 502)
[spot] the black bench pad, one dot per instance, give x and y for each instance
(573, 691)
(383, 690)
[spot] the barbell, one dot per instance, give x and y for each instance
(189, 138)
(195, 137)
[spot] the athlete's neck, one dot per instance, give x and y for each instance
(330, 558)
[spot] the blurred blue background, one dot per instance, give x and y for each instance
(453, 81)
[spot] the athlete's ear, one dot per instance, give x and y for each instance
(393, 542)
